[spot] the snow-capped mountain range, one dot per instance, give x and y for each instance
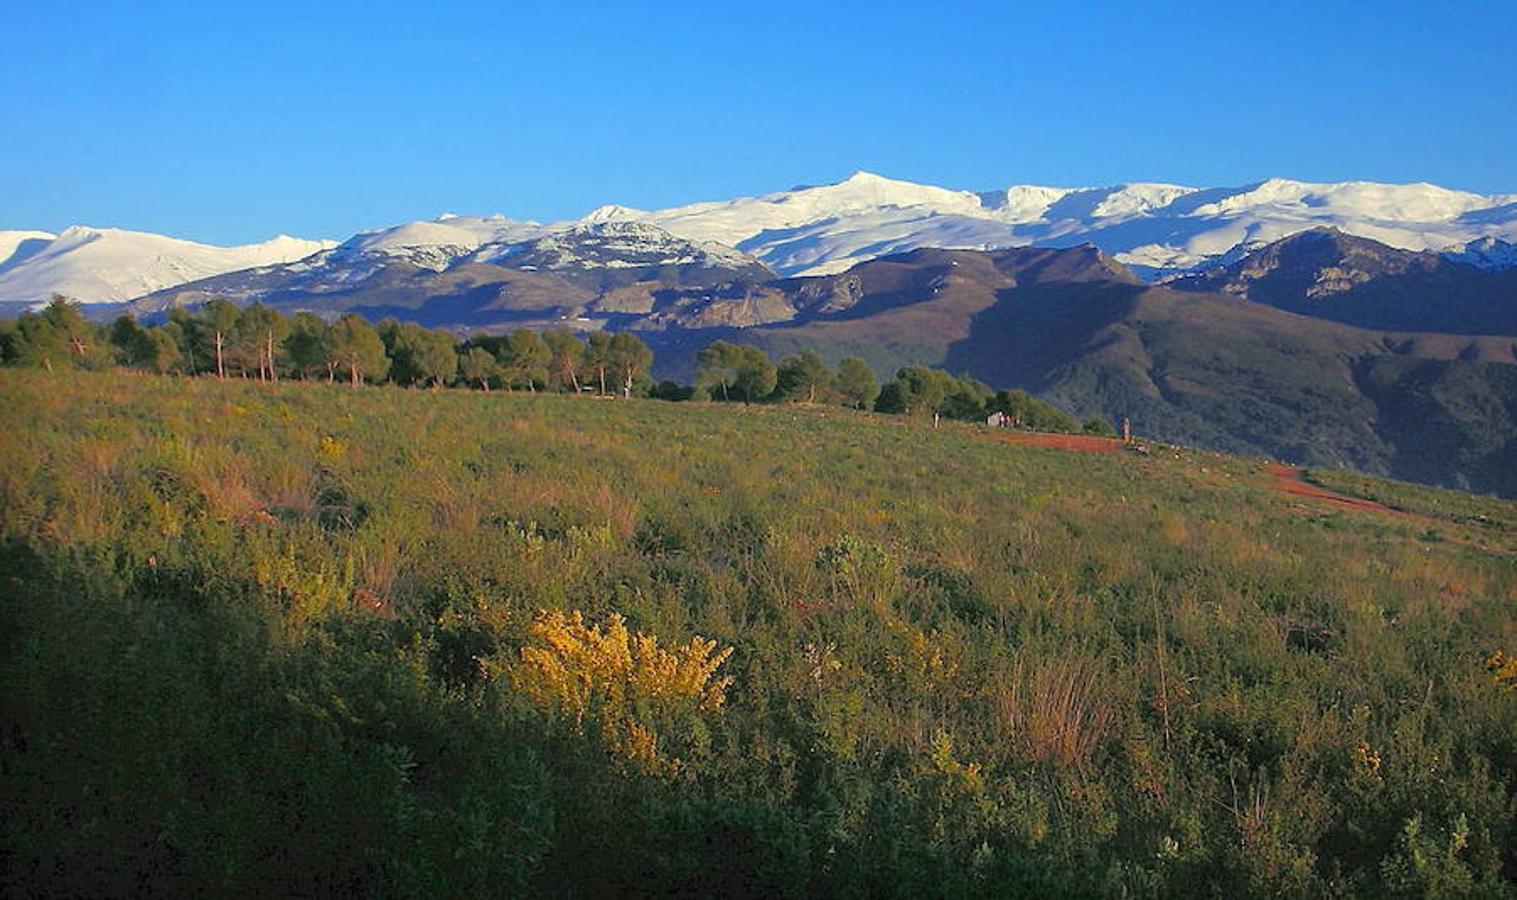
(1155, 228)
(423, 260)
(594, 241)
(103, 265)
(1158, 229)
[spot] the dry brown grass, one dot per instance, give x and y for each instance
(1059, 710)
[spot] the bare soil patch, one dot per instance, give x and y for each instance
(1289, 480)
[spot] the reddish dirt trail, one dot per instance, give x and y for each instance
(1284, 479)
(1288, 480)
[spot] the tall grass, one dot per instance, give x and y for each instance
(269, 638)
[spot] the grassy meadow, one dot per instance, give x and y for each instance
(304, 638)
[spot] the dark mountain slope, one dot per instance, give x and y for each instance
(467, 295)
(1207, 370)
(915, 308)
(603, 270)
(1331, 275)
(1452, 419)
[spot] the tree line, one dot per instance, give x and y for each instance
(227, 341)
(224, 340)
(736, 372)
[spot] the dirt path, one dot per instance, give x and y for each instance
(1289, 480)
(1283, 479)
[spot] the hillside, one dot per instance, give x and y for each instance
(302, 638)
(1204, 369)
(1331, 275)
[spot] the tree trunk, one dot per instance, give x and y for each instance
(574, 379)
(627, 384)
(269, 344)
(602, 371)
(220, 369)
(353, 373)
(812, 397)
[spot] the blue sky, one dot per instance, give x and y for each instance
(232, 124)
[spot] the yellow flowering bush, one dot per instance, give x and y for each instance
(1503, 668)
(1366, 760)
(332, 448)
(619, 681)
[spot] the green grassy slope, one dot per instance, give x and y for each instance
(269, 639)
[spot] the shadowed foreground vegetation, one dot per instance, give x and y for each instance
(299, 638)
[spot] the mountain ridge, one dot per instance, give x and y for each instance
(1329, 274)
(114, 264)
(1157, 228)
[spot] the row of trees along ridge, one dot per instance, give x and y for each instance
(256, 341)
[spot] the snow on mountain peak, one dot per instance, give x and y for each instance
(1156, 227)
(111, 264)
(734, 222)
(1140, 197)
(1024, 202)
(868, 190)
(1489, 253)
(613, 244)
(816, 229)
(1420, 202)
(18, 245)
(435, 244)
(613, 212)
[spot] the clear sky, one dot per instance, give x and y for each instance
(232, 122)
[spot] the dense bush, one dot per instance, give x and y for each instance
(275, 638)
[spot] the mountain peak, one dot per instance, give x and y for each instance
(112, 264)
(83, 233)
(1318, 232)
(1489, 253)
(613, 212)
